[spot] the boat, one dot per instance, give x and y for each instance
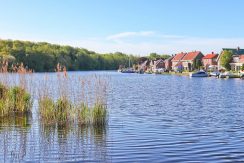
(199, 74)
(127, 70)
(215, 74)
(226, 75)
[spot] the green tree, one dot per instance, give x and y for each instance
(198, 63)
(154, 56)
(44, 56)
(225, 59)
(242, 67)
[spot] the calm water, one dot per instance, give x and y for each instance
(152, 118)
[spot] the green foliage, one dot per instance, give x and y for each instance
(197, 64)
(55, 112)
(62, 109)
(96, 115)
(99, 114)
(14, 101)
(225, 59)
(60, 112)
(153, 56)
(46, 109)
(43, 56)
(20, 100)
(242, 67)
(84, 114)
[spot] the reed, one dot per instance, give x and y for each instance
(74, 99)
(15, 99)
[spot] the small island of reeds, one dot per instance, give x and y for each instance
(62, 99)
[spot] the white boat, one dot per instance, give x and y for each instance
(226, 75)
(215, 73)
(129, 70)
(199, 74)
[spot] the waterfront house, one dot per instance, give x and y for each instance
(237, 52)
(143, 64)
(176, 62)
(237, 62)
(168, 63)
(190, 58)
(210, 61)
(157, 64)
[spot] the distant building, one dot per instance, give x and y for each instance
(237, 62)
(143, 65)
(176, 61)
(190, 58)
(168, 63)
(236, 53)
(210, 61)
(157, 64)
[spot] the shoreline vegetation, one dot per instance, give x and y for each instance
(88, 106)
(43, 56)
(76, 101)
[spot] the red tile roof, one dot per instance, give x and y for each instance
(242, 58)
(210, 56)
(191, 55)
(178, 56)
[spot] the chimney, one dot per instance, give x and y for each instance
(212, 52)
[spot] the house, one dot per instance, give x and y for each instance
(157, 64)
(143, 65)
(190, 60)
(210, 61)
(237, 62)
(235, 51)
(168, 63)
(176, 61)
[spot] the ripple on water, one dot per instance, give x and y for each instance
(152, 118)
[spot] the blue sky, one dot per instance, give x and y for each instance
(131, 26)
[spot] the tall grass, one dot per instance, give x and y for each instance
(14, 97)
(62, 100)
(76, 99)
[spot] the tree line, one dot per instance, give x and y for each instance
(43, 56)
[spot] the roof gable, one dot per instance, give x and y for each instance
(210, 56)
(158, 61)
(191, 55)
(242, 58)
(178, 56)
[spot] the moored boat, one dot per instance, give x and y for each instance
(129, 70)
(226, 75)
(215, 74)
(199, 74)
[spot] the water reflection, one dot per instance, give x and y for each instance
(14, 139)
(79, 143)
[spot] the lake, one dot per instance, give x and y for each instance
(152, 118)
